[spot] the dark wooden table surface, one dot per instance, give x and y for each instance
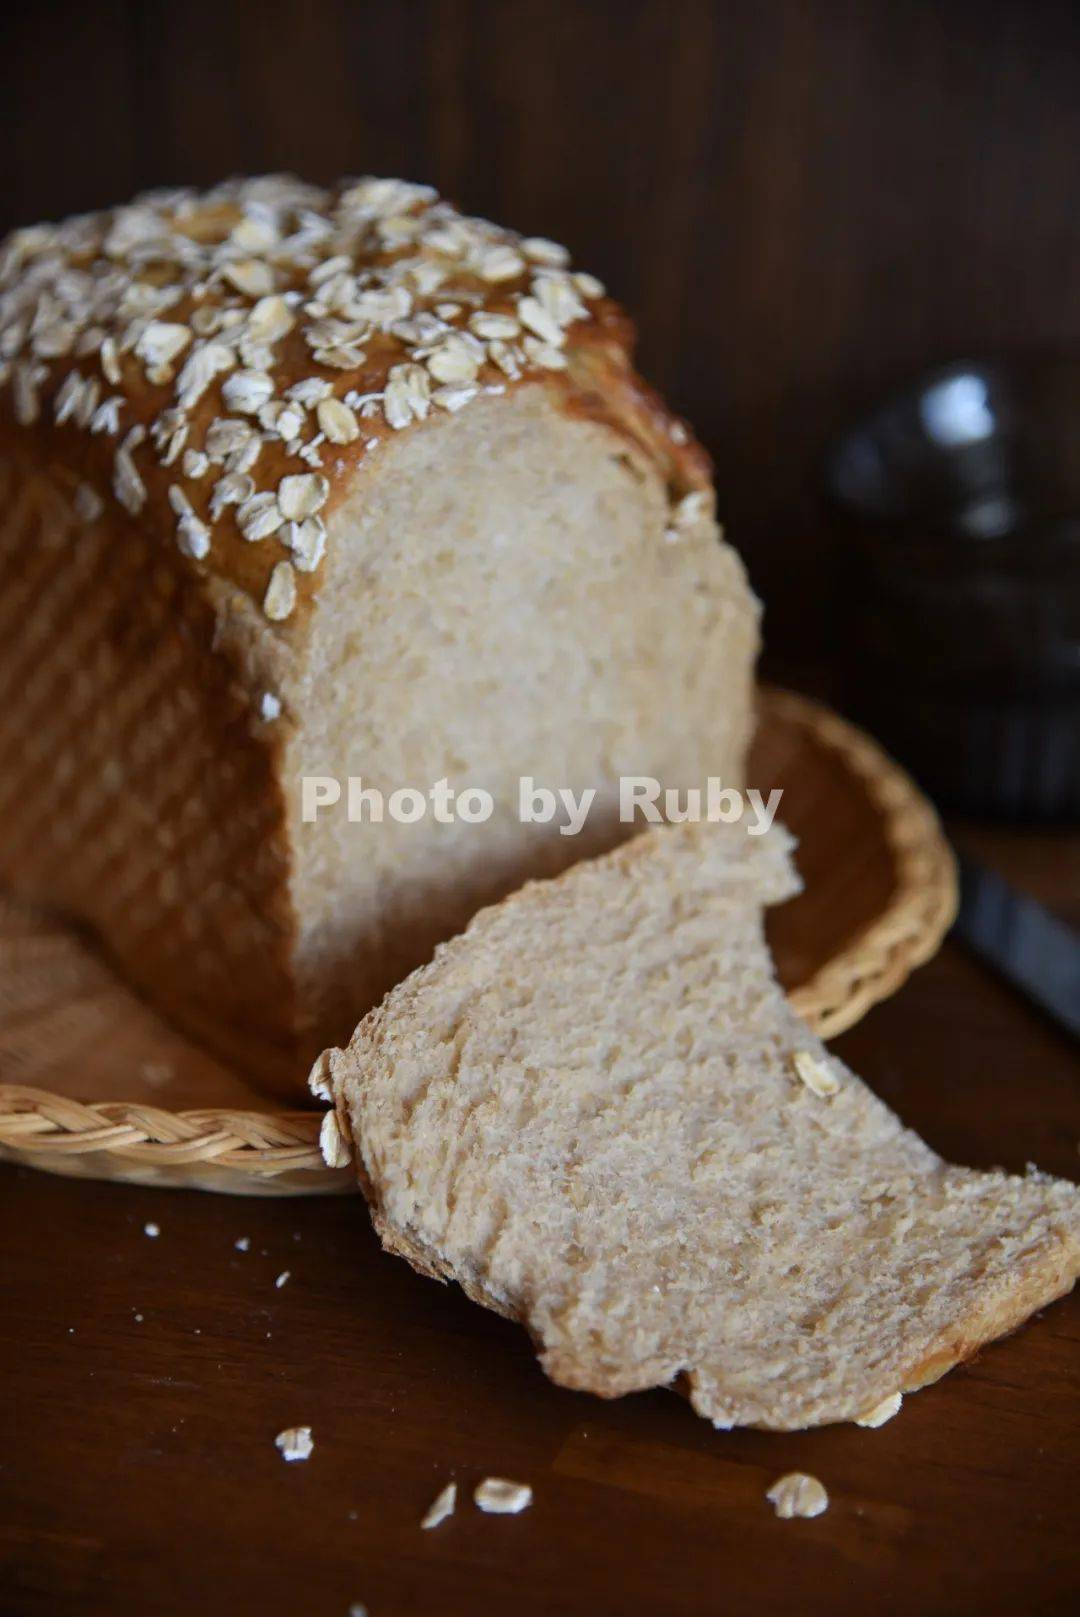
(144, 1381)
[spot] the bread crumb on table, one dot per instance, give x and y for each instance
(156, 1073)
(502, 1498)
(442, 1506)
(152, 1230)
(797, 1494)
(882, 1412)
(295, 1443)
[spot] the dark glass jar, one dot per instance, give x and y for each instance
(960, 508)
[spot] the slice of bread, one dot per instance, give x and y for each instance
(596, 1111)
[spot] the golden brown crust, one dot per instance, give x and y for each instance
(135, 791)
(1050, 1273)
(605, 387)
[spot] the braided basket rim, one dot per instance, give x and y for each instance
(228, 1148)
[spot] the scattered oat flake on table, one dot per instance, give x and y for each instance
(295, 1443)
(797, 1494)
(502, 1498)
(152, 1230)
(282, 1278)
(441, 1506)
(242, 1243)
(882, 1412)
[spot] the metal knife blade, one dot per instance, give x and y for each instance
(1034, 950)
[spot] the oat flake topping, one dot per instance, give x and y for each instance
(387, 302)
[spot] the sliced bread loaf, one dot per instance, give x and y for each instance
(304, 485)
(596, 1111)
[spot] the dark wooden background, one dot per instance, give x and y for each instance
(800, 200)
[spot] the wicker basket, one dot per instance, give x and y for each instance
(880, 893)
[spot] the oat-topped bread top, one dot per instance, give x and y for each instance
(222, 363)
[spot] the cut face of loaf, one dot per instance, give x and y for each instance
(596, 1111)
(298, 483)
(500, 602)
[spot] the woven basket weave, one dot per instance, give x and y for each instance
(880, 893)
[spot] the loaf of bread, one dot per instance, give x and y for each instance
(596, 1111)
(339, 483)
